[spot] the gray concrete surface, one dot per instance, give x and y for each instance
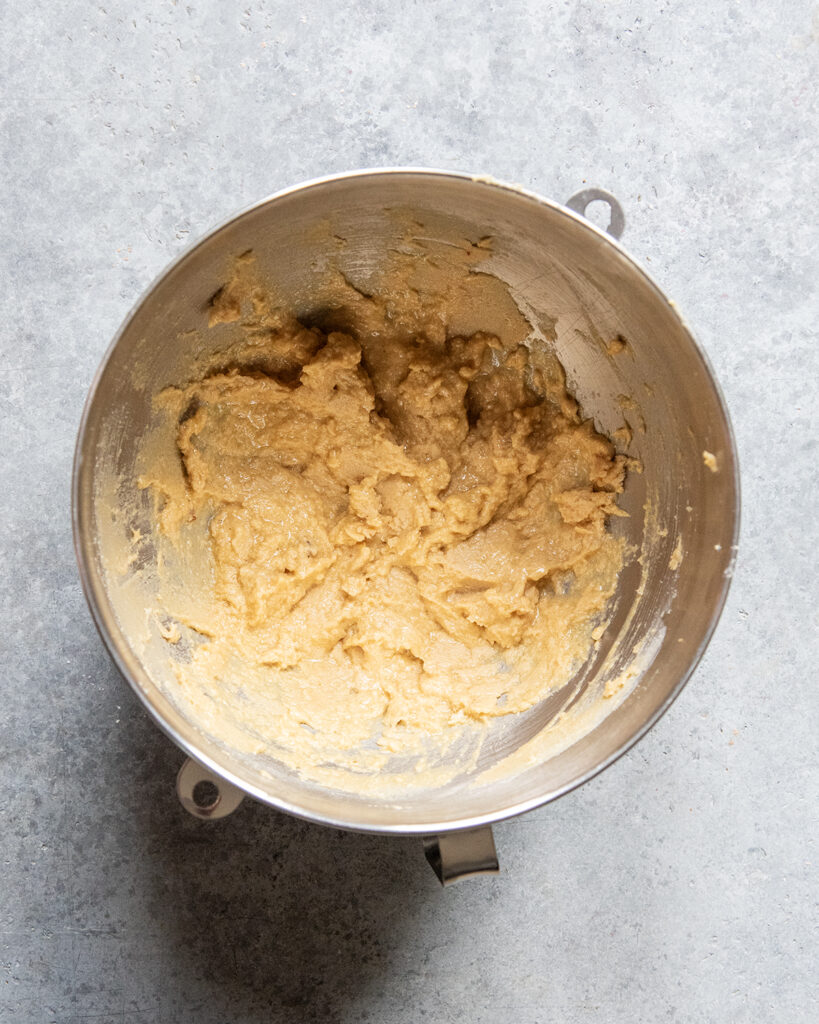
(678, 886)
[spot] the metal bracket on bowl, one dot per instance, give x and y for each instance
(454, 856)
(580, 200)
(205, 795)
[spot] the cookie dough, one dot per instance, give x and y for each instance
(402, 530)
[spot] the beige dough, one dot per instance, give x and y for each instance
(403, 529)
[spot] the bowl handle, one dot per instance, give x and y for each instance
(580, 200)
(204, 794)
(454, 856)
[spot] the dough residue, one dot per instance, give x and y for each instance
(675, 561)
(384, 524)
(710, 461)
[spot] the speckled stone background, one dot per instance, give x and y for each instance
(678, 886)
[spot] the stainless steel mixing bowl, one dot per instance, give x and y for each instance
(583, 291)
